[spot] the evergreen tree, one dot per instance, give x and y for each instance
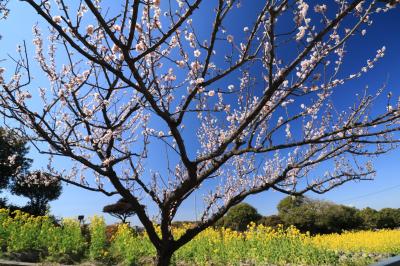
(13, 161)
(39, 193)
(14, 174)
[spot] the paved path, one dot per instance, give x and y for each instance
(9, 262)
(18, 263)
(393, 261)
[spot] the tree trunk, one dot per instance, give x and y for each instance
(163, 257)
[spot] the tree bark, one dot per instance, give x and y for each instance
(163, 257)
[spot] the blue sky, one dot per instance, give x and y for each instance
(384, 191)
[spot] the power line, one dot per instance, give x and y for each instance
(372, 193)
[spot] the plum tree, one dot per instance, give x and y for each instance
(239, 109)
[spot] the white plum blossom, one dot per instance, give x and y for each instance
(11, 159)
(303, 8)
(116, 27)
(320, 8)
(140, 46)
(301, 33)
(181, 63)
(90, 29)
(359, 7)
(287, 130)
(57, 19)
(196, 53)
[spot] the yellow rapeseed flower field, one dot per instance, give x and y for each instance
(258, 245)
(382, 241)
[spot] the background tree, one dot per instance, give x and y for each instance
(15, 175)
(239, 216)
(136, 74)
(334, 218)
(3, 203)
(369, 218)
(317, 216)
(271, 221)
(299, 211)
(121, 210)
(13, 160)
(388, 218)
(40, 189)
(292, 203)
